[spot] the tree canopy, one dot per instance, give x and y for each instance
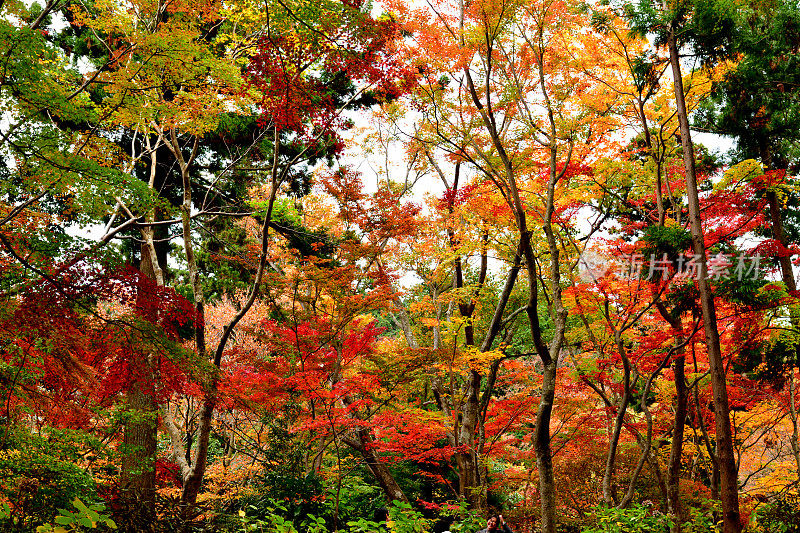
(332, 265)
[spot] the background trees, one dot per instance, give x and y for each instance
(211, 306)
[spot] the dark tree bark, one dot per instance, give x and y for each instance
(676, 448)
(138, 475)
(729, 486)
(363, 443)
(787, 274)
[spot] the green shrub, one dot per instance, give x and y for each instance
(38, 484)
(779, 516)
(405, 519)
(466, 520)
(84, 517)
(634, 519)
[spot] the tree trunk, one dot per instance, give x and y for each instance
(787, 274)
(544, 453)
(609, 491)
(676, 449)
(778, 234)
(391, 489)
(729, 486)
(793, 415)
(138, 478)
(470, 486)
(548, 352)
(469, 483)
(193, 482)
(194, 473)
(138, 475)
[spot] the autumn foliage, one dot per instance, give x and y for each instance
(293, 265)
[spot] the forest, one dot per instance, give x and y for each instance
(334, 265)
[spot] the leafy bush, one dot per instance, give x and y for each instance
(466, 520)
(402, 519)
(634, 519)
(779, 516)
(702, 517)
(38, 485)
(269, 519)
(405, 519)
(84, 517)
